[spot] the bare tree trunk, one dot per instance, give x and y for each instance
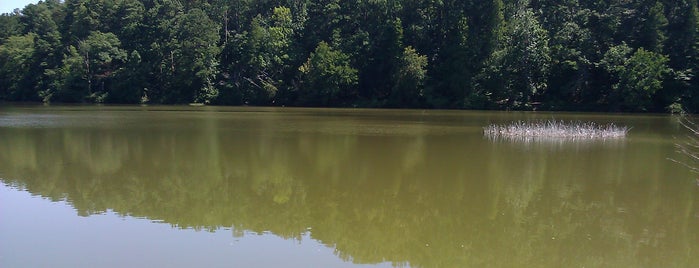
(89, 72)
(225, 27)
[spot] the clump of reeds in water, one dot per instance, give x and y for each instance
(555, 130)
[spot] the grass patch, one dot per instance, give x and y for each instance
(555, 130)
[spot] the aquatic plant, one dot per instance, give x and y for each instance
(555, 130)
(690, 147)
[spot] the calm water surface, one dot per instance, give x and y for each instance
(259, 187)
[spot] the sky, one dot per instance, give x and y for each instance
(7, 6)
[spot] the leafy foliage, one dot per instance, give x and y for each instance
(497, 54)
(15, 59)
(410, 79)
(327, 78)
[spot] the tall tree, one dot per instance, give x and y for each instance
(85, 16)
(193, 58)
(16, 55)
(636, 77)
(39, 19)
(69, 79)
(449, 76)
(519, 69)
(409, 80)
(651, 33)
(102, 56)
(267, 55)
(9, 26)
(572, 50)
(327, 79)
(682, 47)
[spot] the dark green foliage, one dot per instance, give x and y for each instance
(327, 79)
(518, 69)
(410, 80)
(267, 46)
(641, 79)
(496, 54)
(9, 26)
(102, 57)
(15, 58)
(193, 58)
(637, 77)
(69, 80)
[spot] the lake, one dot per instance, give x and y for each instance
(182, 186)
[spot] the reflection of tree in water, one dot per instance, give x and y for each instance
(420, 200)
(599, 208)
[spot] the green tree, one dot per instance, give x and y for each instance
(40, 20)
(102, 57)
(518, 70)
(682, 47)
(652, 34)
(267, 51)
(128, 24)
(188, 57)
(16, 55)
(486, 22)
(641, 79)
(68, 82)
(9, 26)
(572, 48)
(159, 43)
(129, 83)
(324, 16)
(327, 79)
(86, 16)
(637, 77)
(683, 34)
(409, 80)
(450, 78)
(86, 72)
(376, 51)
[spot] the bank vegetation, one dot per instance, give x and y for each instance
(586, 55)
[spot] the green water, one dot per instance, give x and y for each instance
(188, 186)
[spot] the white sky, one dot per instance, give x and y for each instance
(7, 6)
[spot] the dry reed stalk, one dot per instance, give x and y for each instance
(690, 147)
(555, 129)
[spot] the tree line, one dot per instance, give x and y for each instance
(585, 55)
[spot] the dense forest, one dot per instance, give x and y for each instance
(587, 55)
